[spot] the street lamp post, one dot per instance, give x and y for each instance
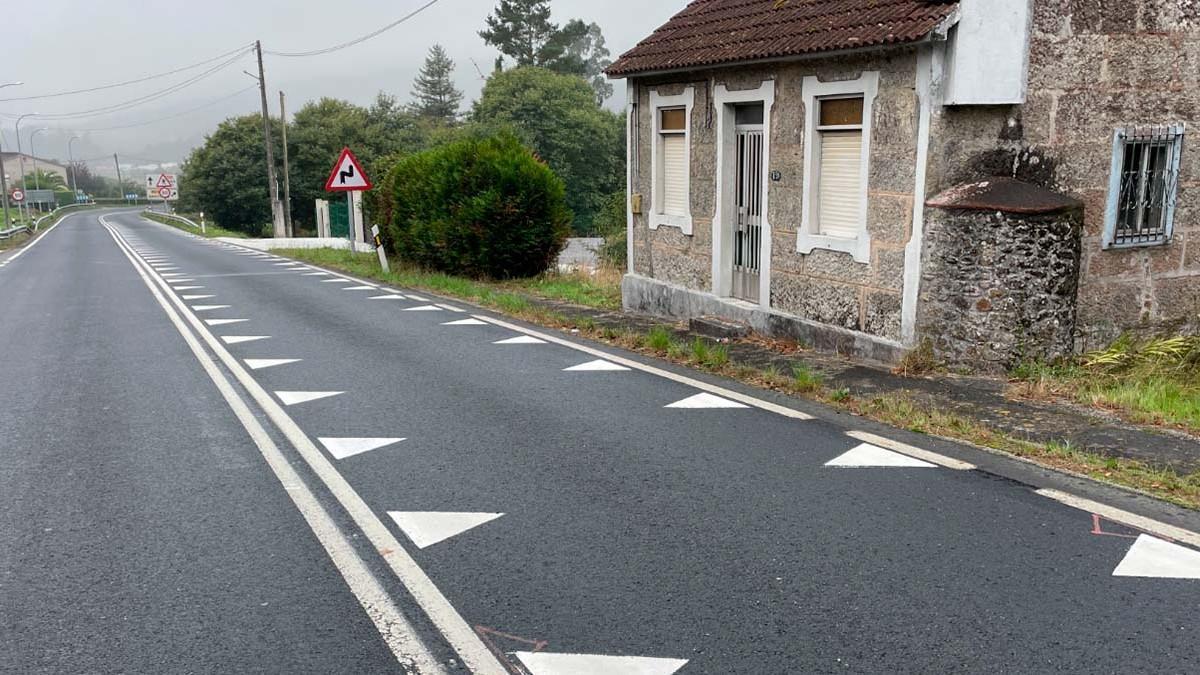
(37, 181)
(21, 160)
(4, 169)
(71, 159)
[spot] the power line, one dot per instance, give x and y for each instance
(172, 116)
(351, 43)
(125, 105)
(126, 83)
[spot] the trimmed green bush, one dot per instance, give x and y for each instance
(479, 207)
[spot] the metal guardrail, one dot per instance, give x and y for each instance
(181, 219)
(31, 229)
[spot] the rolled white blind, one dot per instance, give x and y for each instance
(840, 187)
(675, 173)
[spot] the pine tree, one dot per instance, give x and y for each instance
(520, 29)
(434, 94)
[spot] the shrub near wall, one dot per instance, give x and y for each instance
(481, 207)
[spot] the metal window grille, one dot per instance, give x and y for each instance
(1145, 181)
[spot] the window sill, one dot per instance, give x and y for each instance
(684, 223)
(858, 247)
(1111, 246)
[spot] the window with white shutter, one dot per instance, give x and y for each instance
(836, 155)
(673, 132)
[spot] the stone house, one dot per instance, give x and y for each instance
(1004, 179)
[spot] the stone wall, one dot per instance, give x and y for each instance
(825, 287)
(1096, 65)
(998, 288)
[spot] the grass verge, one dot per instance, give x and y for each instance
(211, 231)
(899, 409)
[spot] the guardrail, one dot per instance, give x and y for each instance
(186, 221)
(31, 229)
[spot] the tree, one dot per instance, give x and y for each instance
(226, 177)
(583, 52)
(434, 94)
(557, 115)
(520, 29)
(84, 178)
(45, 180)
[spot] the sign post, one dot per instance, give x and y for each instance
(348, 176)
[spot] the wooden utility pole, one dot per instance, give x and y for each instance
(120, 181)
(272, 186)
(287, 182)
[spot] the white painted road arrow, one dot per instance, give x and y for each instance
(426, 528)
(341, 448)
(543, 663)
(1154, 557)
(866, 455)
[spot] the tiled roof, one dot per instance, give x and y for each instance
(712, 32)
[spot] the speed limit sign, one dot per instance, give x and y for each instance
(17, 195)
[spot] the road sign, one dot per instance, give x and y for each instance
(162, 186)
(17, 195)
(348, 175)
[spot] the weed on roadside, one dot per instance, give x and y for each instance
(805, 379)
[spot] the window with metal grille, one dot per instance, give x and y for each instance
(1143, 186)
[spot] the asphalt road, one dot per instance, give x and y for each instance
(531, 514)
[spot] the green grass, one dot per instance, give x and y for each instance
(211, 231)
(658, 340)
(805, 379)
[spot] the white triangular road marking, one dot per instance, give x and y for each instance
(417, 298)
(521, 340)
(426, 528)
(259, 364)
(224, 322)
(452, 308)
(545, 663)
(297, 397)
(466, 322)
(317, 274)
(706, 401)
(866, 455)
(360, 288)
(336, 281)
(197, 297)
(423, 308)
(341, 448)
(171, 274)
(188, 288)
(209, 308)
(599, 365)
(239, 339)
(180, 281)
(389, 297)
(1154, 557)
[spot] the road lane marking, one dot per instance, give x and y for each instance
(597, 366)
(336, 281)
(659, 372)
(422, 308)
(224, 322)
(465, 322)
(188, 288)
(26, 248)
(263, 364)
(549, 663)
(317, 274)
(341, 448)
(242, 339)
(706, 401)
(389, 297)
(1155, 558)
(360, 288)
(1155, 527)
(209, 308)
(520, 340)
(290, 398)
(906, 449)
(197, 297)
(400, 636)
(452, 308)
(426, 528)
(417, 298)
(865, 455)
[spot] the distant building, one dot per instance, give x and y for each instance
(1001, 179)
(11, 161)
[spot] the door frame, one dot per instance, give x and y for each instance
(725, 217)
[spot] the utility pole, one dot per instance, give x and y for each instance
(287, 181)
(276, 215)
(120, 181)
(71, 156)
(4, 188)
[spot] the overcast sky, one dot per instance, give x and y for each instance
(73, 44)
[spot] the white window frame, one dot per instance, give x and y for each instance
(1133, 134)
(809, 236)
(657, 103)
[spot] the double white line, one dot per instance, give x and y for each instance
(396, 630)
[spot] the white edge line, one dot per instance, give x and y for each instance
(906, 449)
(454, 628)
(379, 606)
(35, 242)
(682, 379)
(1124, 517)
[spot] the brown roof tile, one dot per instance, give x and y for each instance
(712, 32)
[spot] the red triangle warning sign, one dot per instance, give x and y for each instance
(164, 181)
(348, 175)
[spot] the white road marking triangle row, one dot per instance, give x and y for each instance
(224, 322)
(545, 663)
(452, 308)
(417, 298)
(1154, 557)
(317, 274)
(466, 322)
(336, 281)
(341, 448)
(259, 364)
(197, 297)
(522, 340)
(426, 528)
(360, 288)
(172, 274)
(705, 401)
(423, 308)
(598, 365)
(239, 339)
(209, 308)
(866, 455)
(297, 397)
(180, 281)
(389, 297)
